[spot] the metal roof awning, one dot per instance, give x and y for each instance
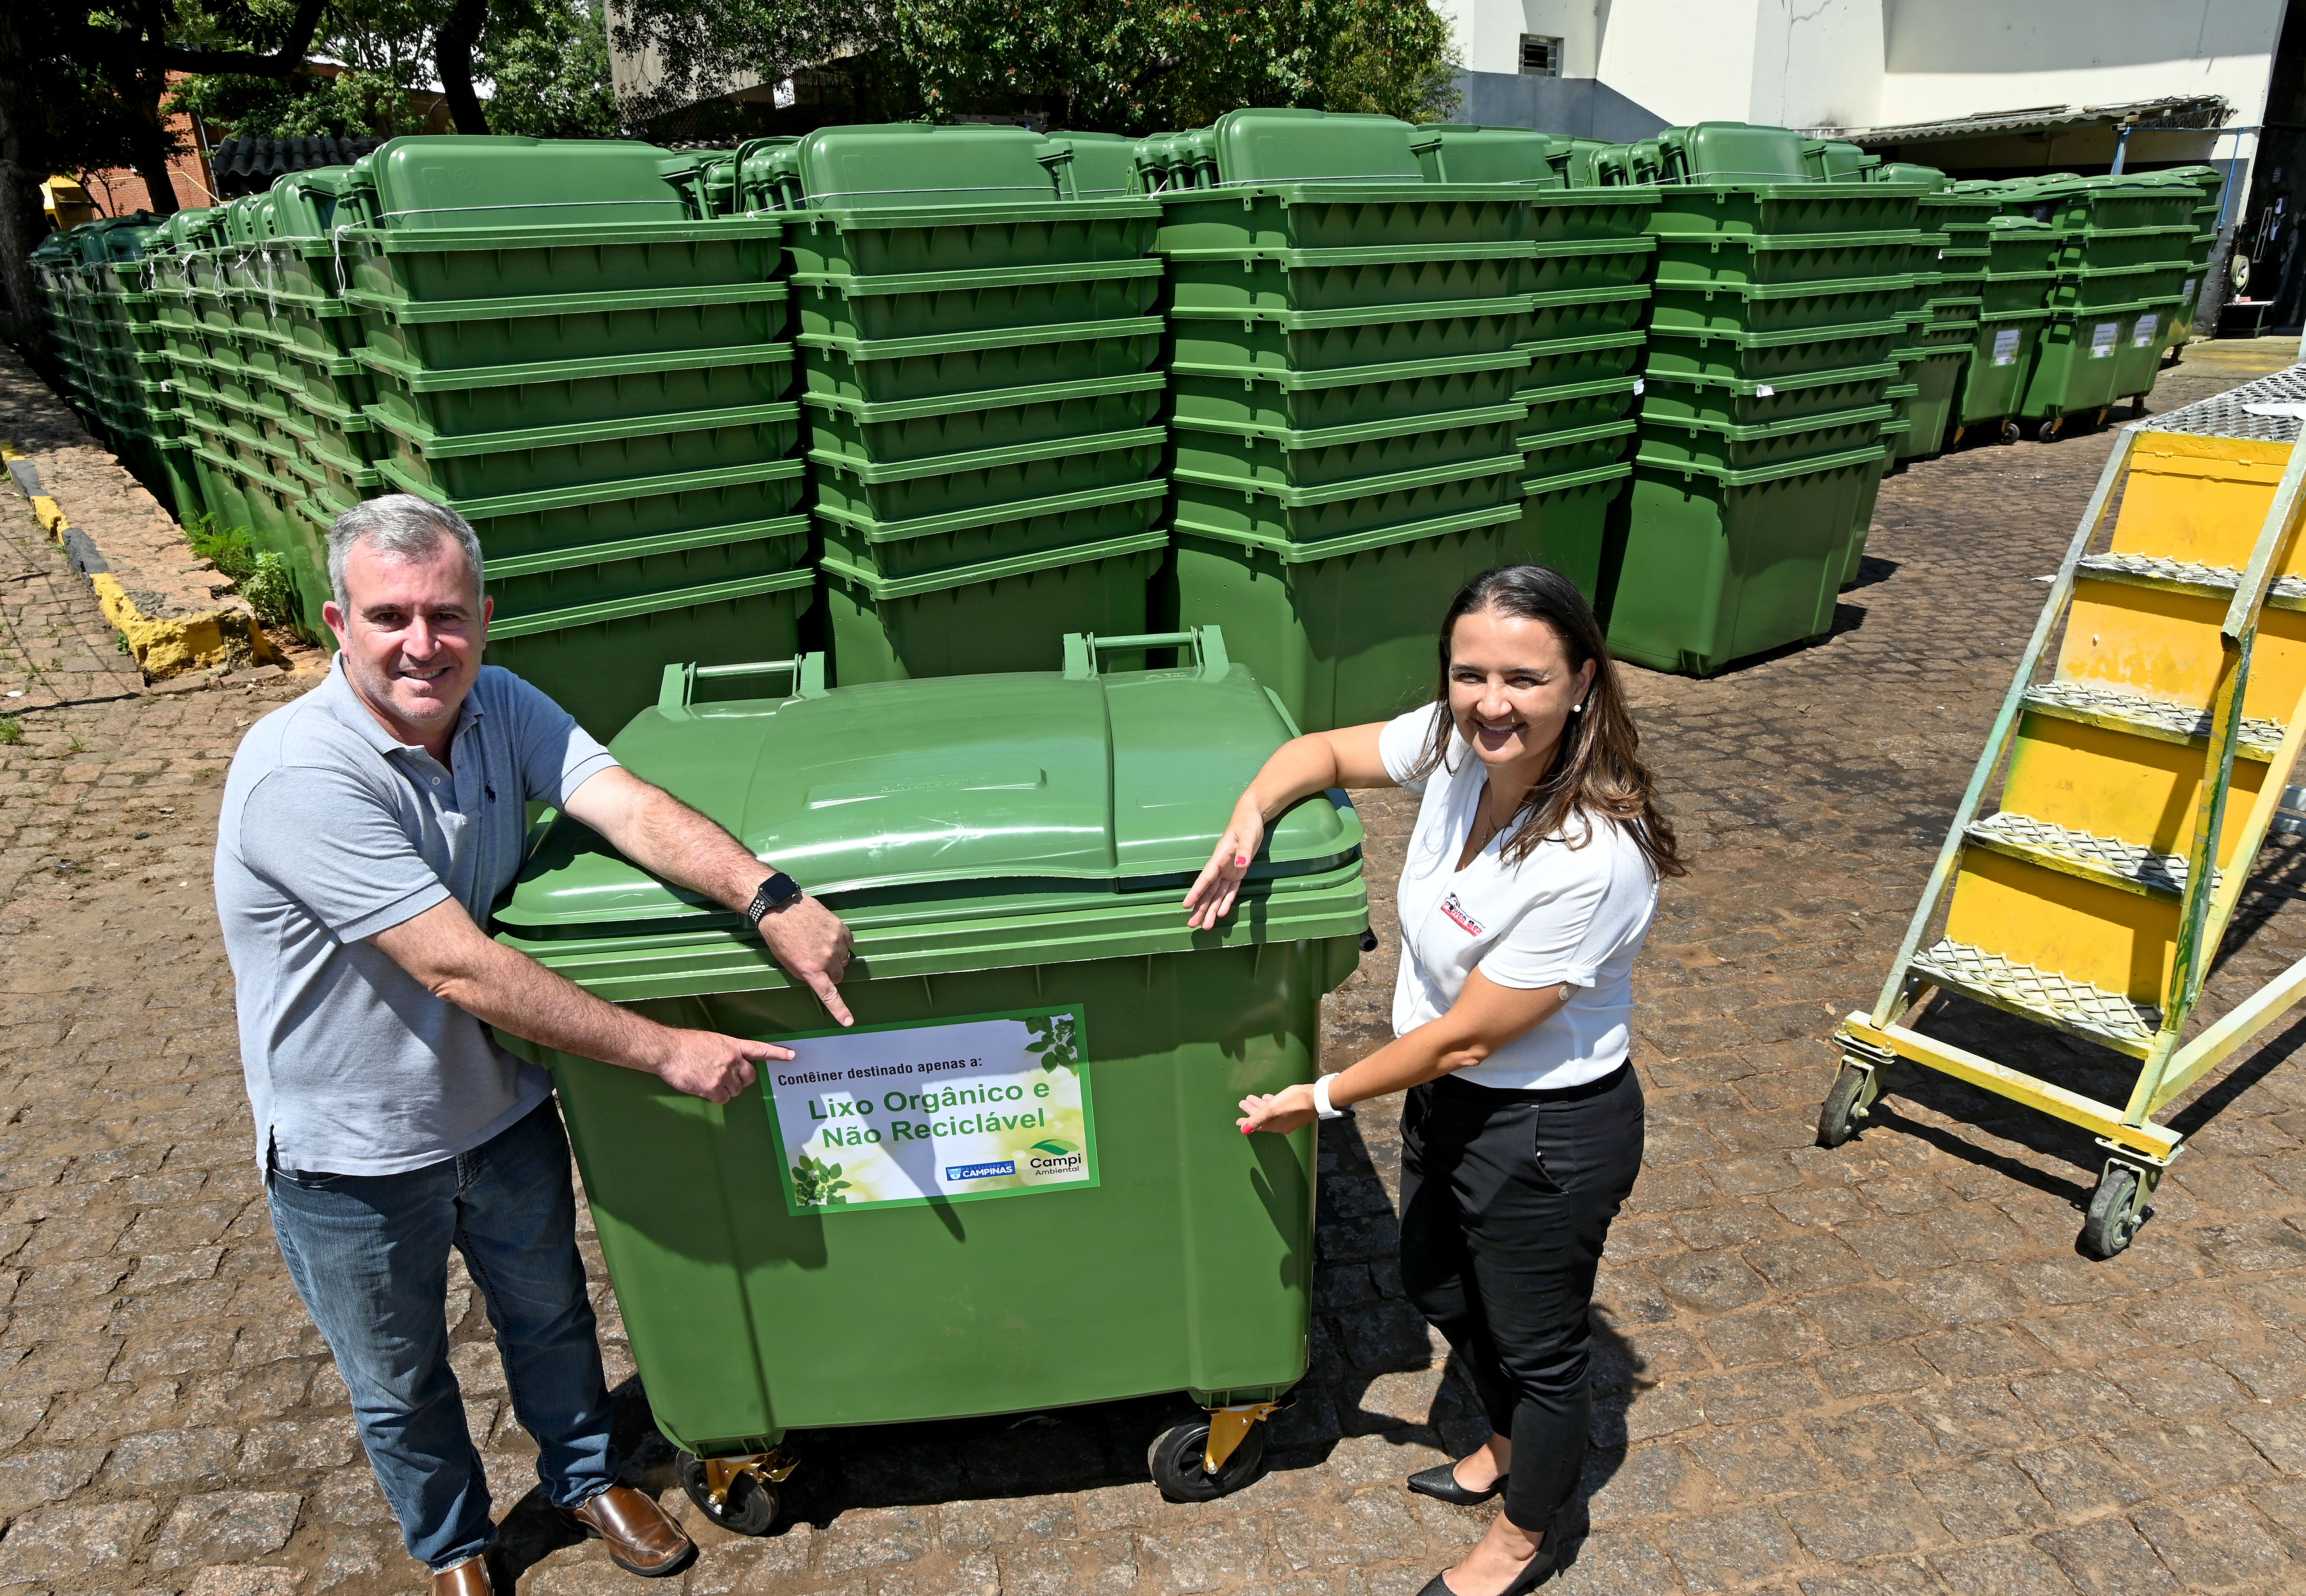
(2202, 111)
(249, 165)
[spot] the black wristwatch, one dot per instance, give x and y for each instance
(775, 894)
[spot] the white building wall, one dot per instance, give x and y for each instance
(1818, 62)
(1686, 60)
(1954, 57)
(1877, 63)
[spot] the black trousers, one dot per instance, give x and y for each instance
(1506, 1201)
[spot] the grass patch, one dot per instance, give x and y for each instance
(11, 732)
(261, 575)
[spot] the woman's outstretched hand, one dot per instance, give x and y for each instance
(1283, 1111)
(1211, 896)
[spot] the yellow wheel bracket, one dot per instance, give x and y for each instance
(1229, 1425)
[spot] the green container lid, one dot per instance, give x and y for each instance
(1065, 786)
(488, 182)
(905, 165)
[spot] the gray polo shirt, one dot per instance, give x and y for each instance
(332, 830)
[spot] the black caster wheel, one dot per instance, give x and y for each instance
(2137, 405)
(2011, 432)
(2114, 1215)
(1179, 1459)
(1840, 1115)
(748, 1508)
(2049, 429)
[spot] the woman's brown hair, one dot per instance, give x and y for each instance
(1596, 770)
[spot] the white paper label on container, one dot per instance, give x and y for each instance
(995, 1105)
(2103, 338)
(1640, 387)
(2148, 329)
(2190, 286)
(2005, 347)
(1763, 391)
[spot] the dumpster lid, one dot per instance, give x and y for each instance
(1069, 780)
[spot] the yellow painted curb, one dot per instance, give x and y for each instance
(171, 647)
(163, 648)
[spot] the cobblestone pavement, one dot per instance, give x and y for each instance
(1882, 1369)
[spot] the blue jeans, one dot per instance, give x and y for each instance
(370, 1257)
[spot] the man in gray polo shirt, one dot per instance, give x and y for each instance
(366, 829)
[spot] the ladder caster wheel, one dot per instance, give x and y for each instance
(2115, 1213)
(1838, 1116)
(2011, 432)
(2048, 429)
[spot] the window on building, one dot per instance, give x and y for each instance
(1541, 58)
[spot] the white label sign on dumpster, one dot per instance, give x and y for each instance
(2149, 327)
(2005, 347)
(2102, 337)
(890, 1116)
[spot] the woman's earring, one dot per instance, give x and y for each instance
(1577, 708)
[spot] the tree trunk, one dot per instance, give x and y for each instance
(150, 143)
(22, 322)
(453, 48)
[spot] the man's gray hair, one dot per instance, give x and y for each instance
(401, 526)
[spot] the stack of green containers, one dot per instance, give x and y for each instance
(1943, 326)
(2210, 184)
(981, 355)
(2020, 267)
(1780, 303)
(2124, 251)
(1346, 357)
(1588, 275)
(226, 372)
(557, 341)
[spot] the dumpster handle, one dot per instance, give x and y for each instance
(1207, 643)
(681, 681)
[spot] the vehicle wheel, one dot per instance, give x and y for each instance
(1179, 1459)
(2048, 429)
(2112, 1221)
(2011, 432)
(750, 1507)
(1838, 1116)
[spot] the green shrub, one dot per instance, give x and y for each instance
(261, 575)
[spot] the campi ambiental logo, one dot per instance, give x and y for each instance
(1053, 1156)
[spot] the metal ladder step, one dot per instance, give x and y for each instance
(2184, 576)
(2117, 709)
(2085, 854)
(2074, 1007)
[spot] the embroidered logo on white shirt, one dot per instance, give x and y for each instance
(1456, 912)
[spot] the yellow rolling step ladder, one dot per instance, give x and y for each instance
(2138, 776)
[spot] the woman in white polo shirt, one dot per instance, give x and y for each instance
(1530, 882)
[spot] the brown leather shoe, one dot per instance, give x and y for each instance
(467, 1578)
(642, 1536)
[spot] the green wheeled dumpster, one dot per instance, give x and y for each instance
(1016, 1184)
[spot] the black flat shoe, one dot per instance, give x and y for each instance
(1533, 1573)
(1440, 1483)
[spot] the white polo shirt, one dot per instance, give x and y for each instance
(1575, 912)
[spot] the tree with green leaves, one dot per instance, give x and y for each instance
(1100, 65)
